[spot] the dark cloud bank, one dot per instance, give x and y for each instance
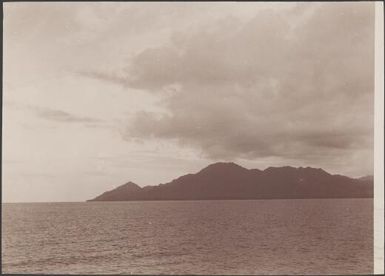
(296, 84)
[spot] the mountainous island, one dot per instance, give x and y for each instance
(231, 181)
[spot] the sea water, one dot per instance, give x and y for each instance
(304, 236)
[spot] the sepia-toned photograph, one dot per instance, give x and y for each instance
(192, 138)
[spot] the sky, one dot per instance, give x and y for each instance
(96, 94)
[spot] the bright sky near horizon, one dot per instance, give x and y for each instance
(99, 94)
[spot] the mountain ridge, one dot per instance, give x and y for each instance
(228, 180)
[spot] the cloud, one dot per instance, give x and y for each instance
(62, 116)
(103, 76)
(55, 115)
(296, 84)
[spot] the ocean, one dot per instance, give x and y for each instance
(293, 236)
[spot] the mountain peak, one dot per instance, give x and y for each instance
(129, 186)
(222, 166)
(290, 168)
(119, 193)
(130, 183)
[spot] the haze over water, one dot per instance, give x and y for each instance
(315, 236)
